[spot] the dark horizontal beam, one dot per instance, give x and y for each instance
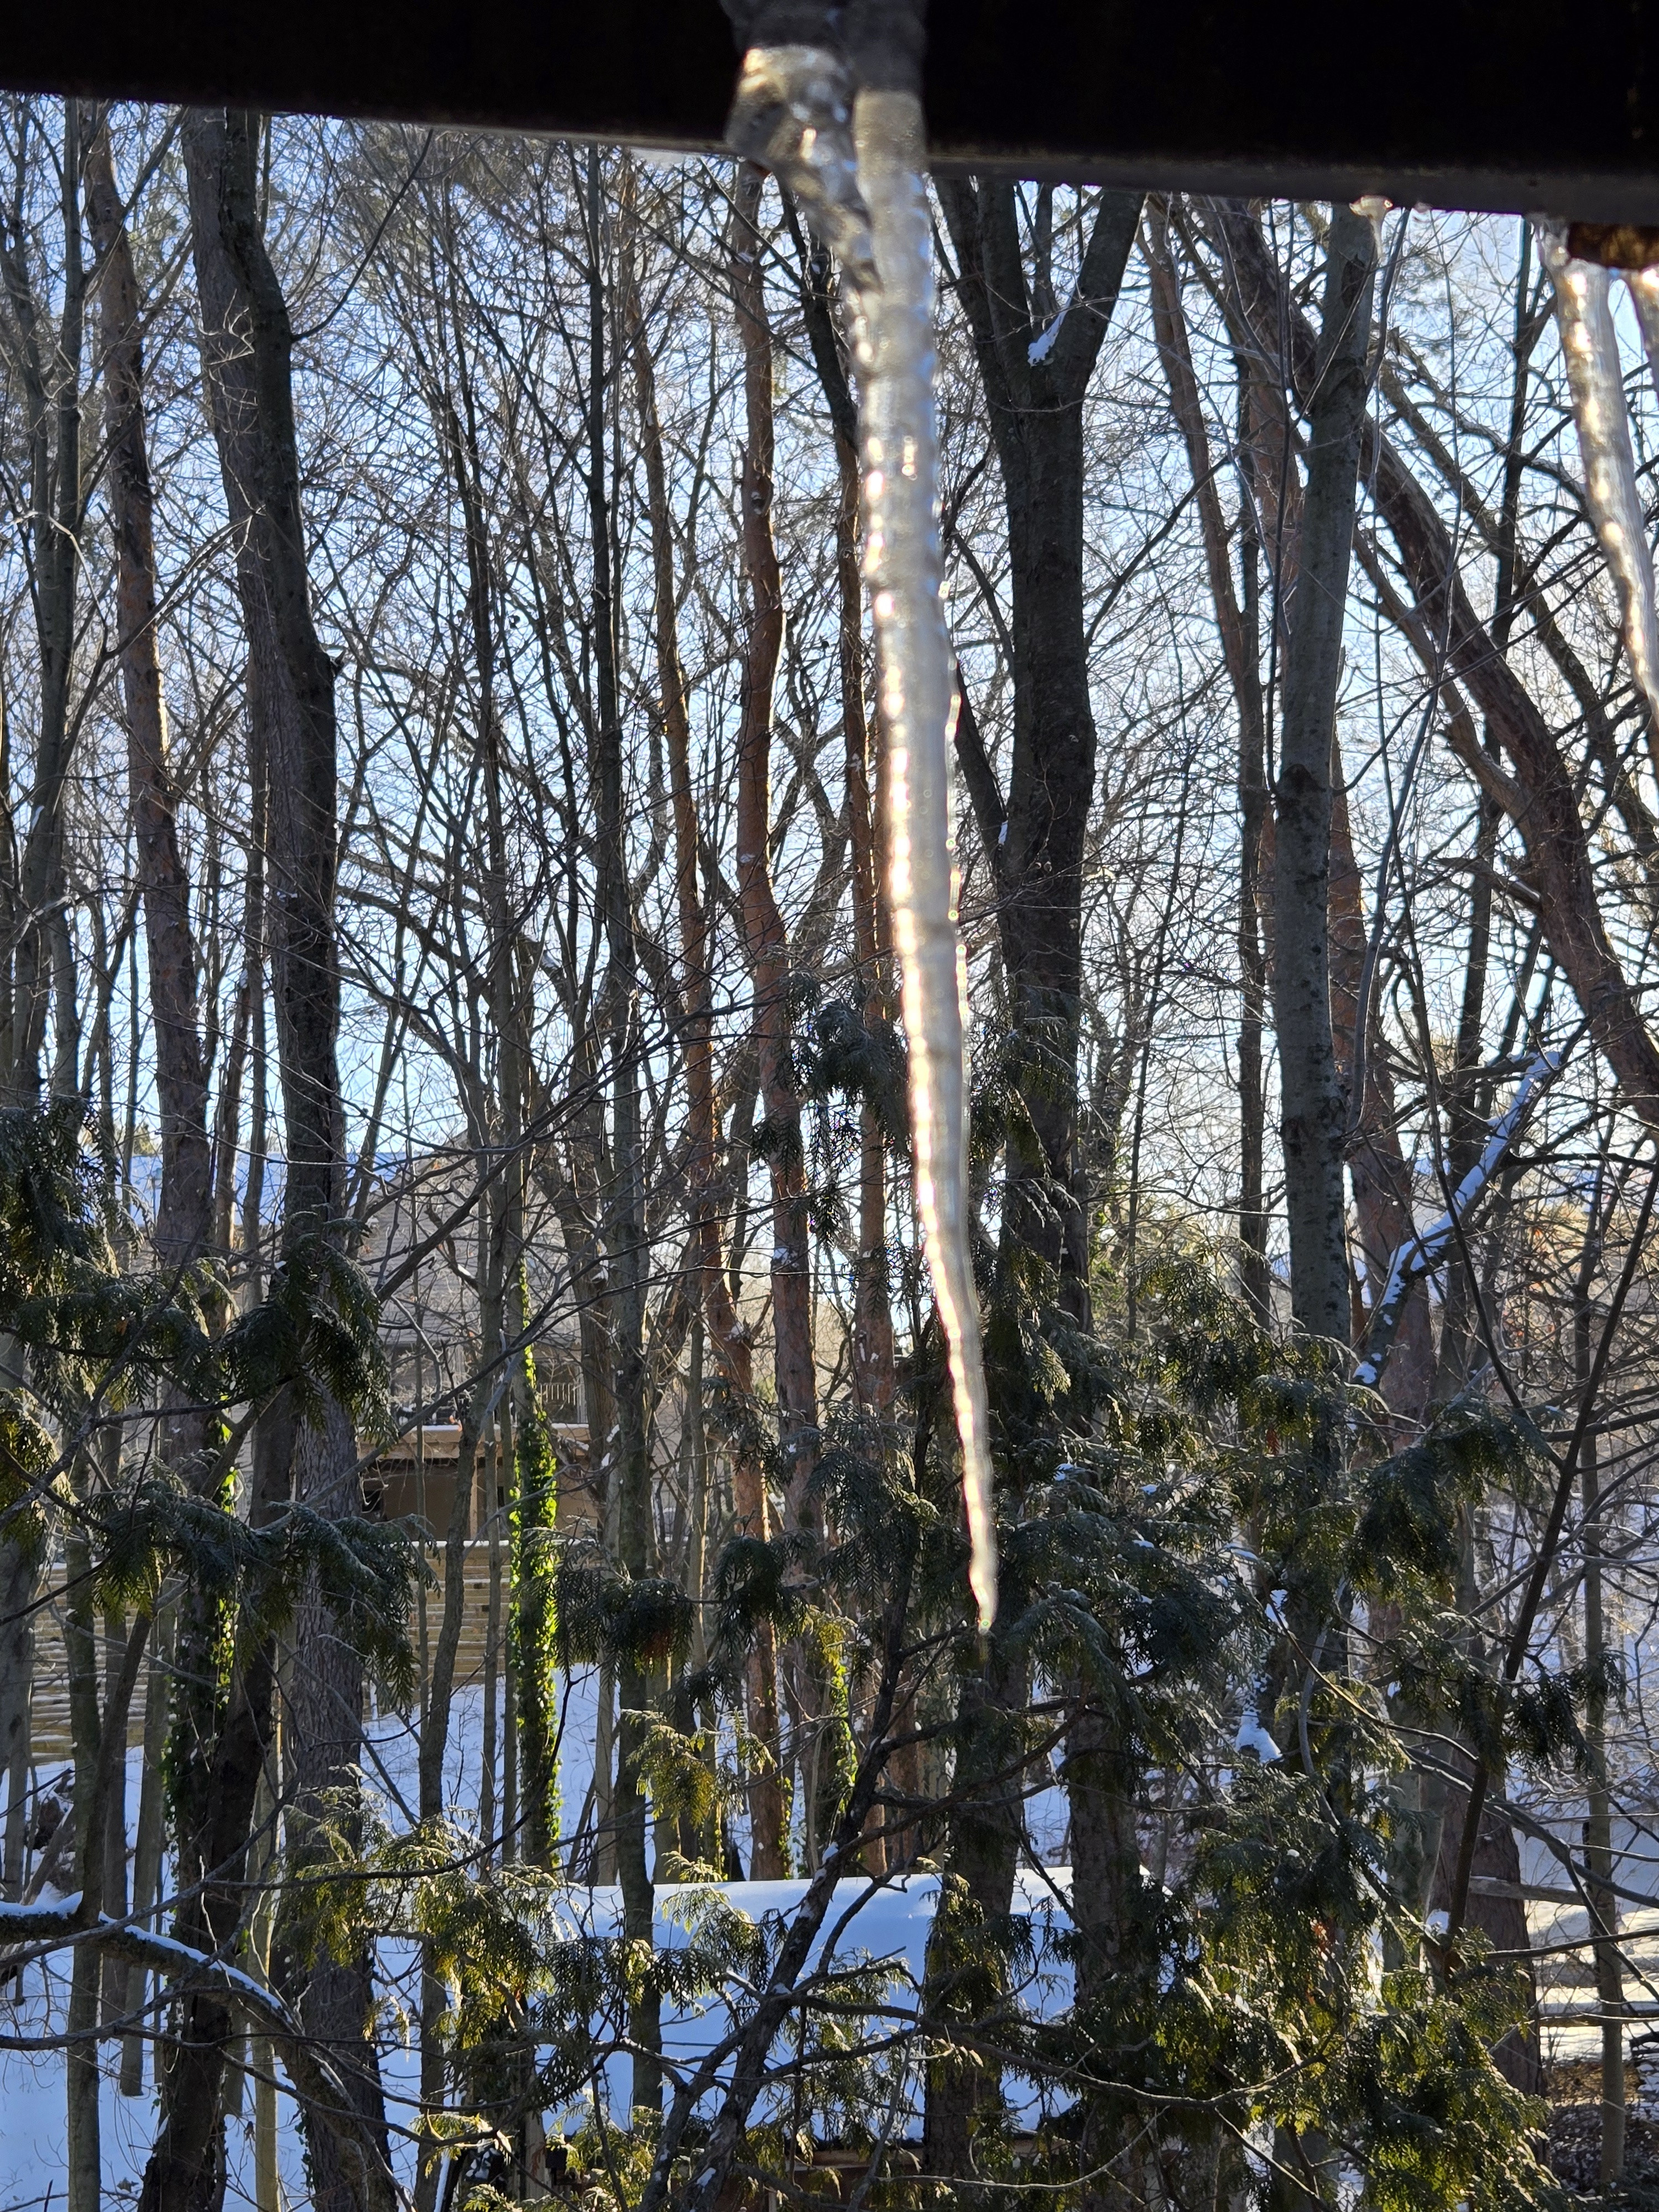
(1549, 105)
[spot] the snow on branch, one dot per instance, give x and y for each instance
(36, 1924)
(315, 2078)
(1421, 1254)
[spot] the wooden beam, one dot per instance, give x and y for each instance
(1508, 104)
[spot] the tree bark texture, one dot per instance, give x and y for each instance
(1600, 1864)
(21, 1559)
(1035, 840)
(624, 1213)
(727, 1332)
(1036, 850)
(98, 1730)
(323, 1705)
(246, 344)
(1237, 614)
(1102, 1779)
(1272, 520)
(765, 939)
(184, 1217)
(964, 1980)
(1315, 1111)
(1380, 1173)
(183, 1226)
(1537, 790)
(50, 363)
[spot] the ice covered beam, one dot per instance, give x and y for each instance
(1516, 104)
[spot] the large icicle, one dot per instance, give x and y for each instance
(863, 188)
(894, 345)
(1590, 348)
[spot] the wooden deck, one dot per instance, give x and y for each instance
(49, 1721)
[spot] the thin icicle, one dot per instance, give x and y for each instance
(894, 346)
(1590, 348)
(1421, 1255)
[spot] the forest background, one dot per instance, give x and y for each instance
(445, 996)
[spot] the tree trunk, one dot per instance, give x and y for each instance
(98, 1729)
(1035, 843)
(247, 346)
(1537, 792)
(323, 1722)
(115, 1975)
(148, 1844)
(20, 1567)
(1544, 806)
(766, 943)
(50, 368)
(537, 1727)
(1035, 401)
(440, 1699)
(1382, 1174)
(1103, 1786)
(1237, 614)
(727, 1333)
(1497, 1910)
(227, 1131)
(85, 2174)
(964, 1981)
(1314, 1109)
(1254, 1280)
(625, 1225)
(1468, 1097)
(187, 2167)
(1599, 1860)
(184, 1216)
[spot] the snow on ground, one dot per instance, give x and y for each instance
(1567, 1979)
(887, 1925)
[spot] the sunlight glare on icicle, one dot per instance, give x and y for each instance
(866, 192)
(895, 348)
(1590, 346)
